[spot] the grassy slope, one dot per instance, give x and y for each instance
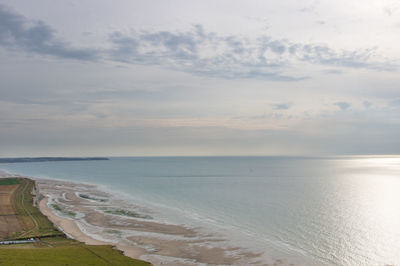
(54, 248)
(34, 223)
(9, 181)
(61, 251)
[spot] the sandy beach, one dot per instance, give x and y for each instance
(92, 216)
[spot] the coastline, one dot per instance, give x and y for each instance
(99, 219)
(270, 214)
(72, 230)
(28, 237)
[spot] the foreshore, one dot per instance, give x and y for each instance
(95, 217)
(72, 230)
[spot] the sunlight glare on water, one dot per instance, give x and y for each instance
(371, 199)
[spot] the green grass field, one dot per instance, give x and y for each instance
(53, 248)
(9, 181)
(34, 223)
(62, 251)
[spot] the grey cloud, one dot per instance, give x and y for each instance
(281, 106)
(248, 75)
(342, 105)
(231, 56)
(101, 115)
(323, 55)
(17, 31)
(277, 47)
(207, 53)
(367, 104)
(195, 51)
(395, 103)
(334, 71)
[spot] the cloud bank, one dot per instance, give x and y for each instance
(207, 53)
(195, 51)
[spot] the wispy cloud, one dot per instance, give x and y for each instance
(208, 53)
(203, 53)
(195, 51)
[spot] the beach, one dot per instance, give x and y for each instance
(95, 217)
(232, 211)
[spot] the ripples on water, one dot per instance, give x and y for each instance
(340, 211)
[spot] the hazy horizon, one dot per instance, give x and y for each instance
(179, 78)
(343, 156)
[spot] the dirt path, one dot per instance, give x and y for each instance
(36, 225)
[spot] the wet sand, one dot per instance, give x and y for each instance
(97, 218)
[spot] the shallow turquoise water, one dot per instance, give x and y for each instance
(335, 211)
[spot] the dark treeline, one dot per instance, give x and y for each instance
(49, 159)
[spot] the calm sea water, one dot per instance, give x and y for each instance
(334, 211)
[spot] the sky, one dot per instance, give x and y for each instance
(176, 78)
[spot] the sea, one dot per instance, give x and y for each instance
(323, 210)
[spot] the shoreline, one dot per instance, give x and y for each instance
(72, 230)
(159, 241)
(139, 238)
(30, 238)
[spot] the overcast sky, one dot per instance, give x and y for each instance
(289, 77)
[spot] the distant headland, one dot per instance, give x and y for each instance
(49, 159)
